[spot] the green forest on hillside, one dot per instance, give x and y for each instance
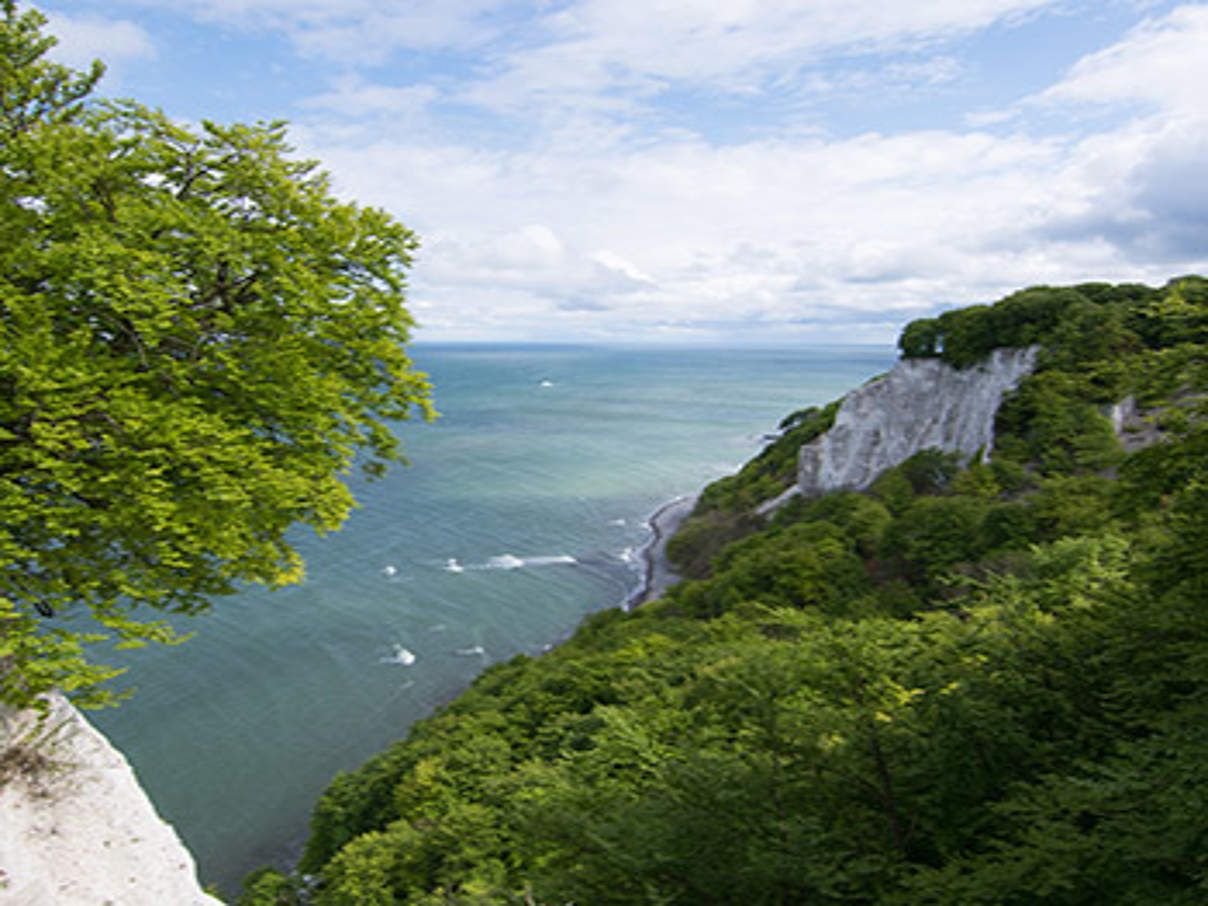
(971, 684)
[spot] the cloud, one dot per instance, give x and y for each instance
(1144, 189)
(765, 232)
(86, 38)
(356, 32)
(774, 236)
(351, 96)
(558, 165)
(706, 36)
(530, 257)
(1149, 196)
(1161, 63)
(583, 305)
(619, 56)
(617, 273)
(611, 55)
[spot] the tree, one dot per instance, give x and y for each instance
(933, 535)
(196, 342)
(920, 339)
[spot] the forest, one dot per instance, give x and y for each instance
(972, 683)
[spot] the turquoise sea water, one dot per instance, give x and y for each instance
(521, 512)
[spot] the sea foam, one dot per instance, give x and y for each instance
(511, 562)
(402, 656)
(549, 561)
(505, 561)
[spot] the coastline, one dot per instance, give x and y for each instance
(657, 573)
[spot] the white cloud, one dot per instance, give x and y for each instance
(572, 207)
(841, 238)
(86, 38)
(351, 96)
(1142, 187)
(771, 232)
(1162, 63)
(356, 31)
(613, 55)
(690, 37)
(623, 274)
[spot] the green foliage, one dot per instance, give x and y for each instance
(36, 91)
(1057, 317)
(977, 685)
(1071, 504)
(809, 564)
(269, 887)
(1050, 421)
(196, 340)
(1173, 477)
(774, 469)
(704, 535)
(934, 534)
(862, 518)
(930, 471)
(894, 490)
(1008, 526)
(1178, 315)
(723, 512)
(920, 339)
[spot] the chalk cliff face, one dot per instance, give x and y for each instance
(75, 826)
(920, 404)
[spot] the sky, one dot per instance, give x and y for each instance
(764, 172)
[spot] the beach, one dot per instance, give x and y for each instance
(657, 572)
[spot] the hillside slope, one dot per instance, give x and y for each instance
(970, 683)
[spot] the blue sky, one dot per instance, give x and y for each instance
(704, 171)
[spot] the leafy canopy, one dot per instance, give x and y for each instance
(196, 341)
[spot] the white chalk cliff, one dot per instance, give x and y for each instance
(920, 404)
(75, 826)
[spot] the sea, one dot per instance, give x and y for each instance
(525, 506)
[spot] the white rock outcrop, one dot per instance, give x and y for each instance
(76, 827)
(920, 404)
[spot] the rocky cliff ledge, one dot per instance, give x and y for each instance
(75, 826)
(919, 405)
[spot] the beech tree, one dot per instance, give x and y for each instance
(197, 340)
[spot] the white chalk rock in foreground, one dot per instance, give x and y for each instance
(76, 827)
(919, 405)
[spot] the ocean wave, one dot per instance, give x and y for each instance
(566, 559)
(504, 561)
(402, 656)
(510, 562)
(472, 651)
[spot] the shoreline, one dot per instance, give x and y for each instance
(657, 573)
(656, 577)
